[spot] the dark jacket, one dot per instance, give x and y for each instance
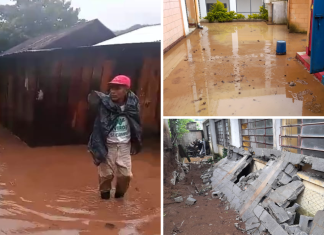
(106, 119)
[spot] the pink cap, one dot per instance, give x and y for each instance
(121, 80)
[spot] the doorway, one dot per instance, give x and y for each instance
(191, 14)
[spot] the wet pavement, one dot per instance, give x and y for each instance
(232, 69)
(55, 191)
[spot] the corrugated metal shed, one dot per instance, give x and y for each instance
(146, 34)
(83, 34)
(43, 94)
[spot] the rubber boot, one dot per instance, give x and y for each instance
(122, 186)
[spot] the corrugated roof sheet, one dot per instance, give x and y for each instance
(145, 34)
(83, 34)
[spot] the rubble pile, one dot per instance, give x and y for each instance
(180, 173)
(265, 199)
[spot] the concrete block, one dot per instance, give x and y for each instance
(258, 152)
(252, 223)
(301, 233)
(247, 214)
(293, 208)
(279, 213)
(236, 203)
(292, 217)
(293, 229)
(206, 181)
(296, 178)
(190, 201)
(285, 179)
(305, 223)
(215, 194)
(178, 199)
(271, 225)
(182, 175)
(318, 224)
(317, 231)
(258, 210)
(286, 193)
(276, 153)
(291, 170)
(318, 164)
(236, 190)
(294, 158)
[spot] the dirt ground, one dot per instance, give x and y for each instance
(206, 216)
(232, 69)
(55, 191)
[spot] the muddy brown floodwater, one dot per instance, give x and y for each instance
(232, 69)
(55, 191)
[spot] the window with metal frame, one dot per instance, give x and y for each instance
(257, 133)
(304, 136)
(220, 132)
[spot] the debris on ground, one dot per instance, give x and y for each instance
(265, 199)
(302, 82)
(180, 173)
(292, 84)
(178, 199)
(200, 211)
(190, 201)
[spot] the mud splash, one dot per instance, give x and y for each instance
(232, 69)
(54, 191)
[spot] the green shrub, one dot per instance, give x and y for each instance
(254, 16)
(219, 12)
(262, 15)
(239, 16)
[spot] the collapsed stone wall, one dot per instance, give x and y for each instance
(265, 200)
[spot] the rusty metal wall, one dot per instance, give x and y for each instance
(66, 76)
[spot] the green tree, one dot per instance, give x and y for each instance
(177, 129)
(31, 18)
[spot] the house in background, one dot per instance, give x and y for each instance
(245, 7)
(82, 34)
(181, 17)
(144, 34)
(300, 136)
(192, 135)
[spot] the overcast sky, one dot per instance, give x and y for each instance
(118, 14)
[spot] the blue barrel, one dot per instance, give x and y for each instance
(281, 48)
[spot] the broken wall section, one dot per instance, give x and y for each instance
(265, 199)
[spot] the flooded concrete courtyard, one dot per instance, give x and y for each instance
(55, 191)
(232, 69)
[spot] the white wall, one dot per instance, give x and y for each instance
(233, 5)
(184, 17)
(235, 133)
(203, 9)
(279, 12)
(213, 135)
(276, 133)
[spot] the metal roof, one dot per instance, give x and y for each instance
(82, 34)
(145, 34)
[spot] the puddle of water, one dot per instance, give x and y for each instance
(55, 189)
(8, 226)
(232, 69)
(57, 232)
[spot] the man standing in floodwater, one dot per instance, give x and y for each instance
(116, 135)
